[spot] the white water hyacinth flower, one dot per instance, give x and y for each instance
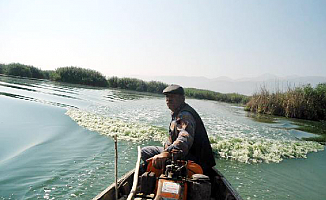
(262, 150)
(247, 150)
(124, 131)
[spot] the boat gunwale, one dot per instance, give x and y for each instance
(112, 186)
(227, 184)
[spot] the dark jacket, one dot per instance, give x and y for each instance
(200, 150)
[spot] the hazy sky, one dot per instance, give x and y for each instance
(234, 38)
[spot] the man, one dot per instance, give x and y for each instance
(188, 138)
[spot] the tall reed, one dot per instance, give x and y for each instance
(303, 102)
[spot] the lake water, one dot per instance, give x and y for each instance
(55, 143)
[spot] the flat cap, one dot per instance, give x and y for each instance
(174, 89)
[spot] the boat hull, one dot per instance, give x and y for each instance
(221, 188)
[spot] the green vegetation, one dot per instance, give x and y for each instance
(158, 87)
(50, 75)
(78, 75)
(136, 84)
(303, 102)
(16, 69)
(2, 68)
(74, 75)
(315, 127)
(89, 77)
(216, 96)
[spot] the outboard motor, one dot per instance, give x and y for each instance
(174, 180)
(172, 184)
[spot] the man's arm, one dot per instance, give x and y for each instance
(185, 131)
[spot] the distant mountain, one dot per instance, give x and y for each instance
(263, 77)
(247, 86)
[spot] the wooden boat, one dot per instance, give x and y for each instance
(221, 189)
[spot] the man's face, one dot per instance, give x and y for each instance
(173, 101)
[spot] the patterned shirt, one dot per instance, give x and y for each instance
(181, 133)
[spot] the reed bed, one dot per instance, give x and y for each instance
(77, 75)
(216, 96)
(305, 102)
(136, 85)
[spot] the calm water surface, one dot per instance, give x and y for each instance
(54, 143)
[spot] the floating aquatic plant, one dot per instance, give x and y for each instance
(247, 150)
(125, 131)
(263, 150)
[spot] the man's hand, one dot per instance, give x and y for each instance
(159, 160)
